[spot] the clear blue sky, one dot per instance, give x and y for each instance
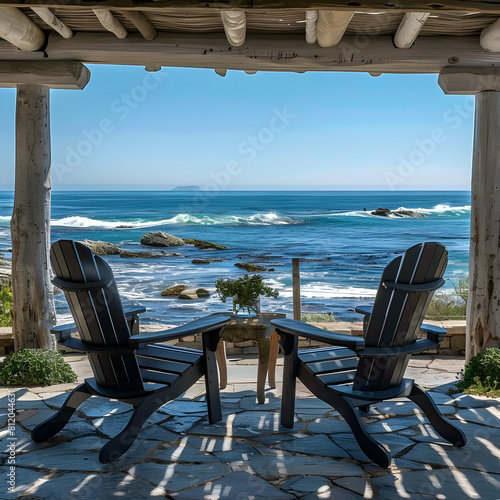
(129, 129)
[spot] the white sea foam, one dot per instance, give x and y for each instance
(265, 219)
(5, 217)
(324, 291)
(438, 209)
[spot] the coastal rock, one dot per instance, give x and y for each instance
(102, 247)
(251, 268)
(144, 255)
(173, 290)
(188, 295)
(161, 239)
(386, 212)
(204, 245)
(124, 226)
(149, 255)
(202, 292)
(186, 188)
(5, 272)
(205, 261)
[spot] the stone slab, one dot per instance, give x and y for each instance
(448, 484)
(181, 424)
(237, 485)
(246, 424)
(174, 477)
(485, 416)
(282, 467)
(24, 480)
(484, 459)
(307, 484)
(79, 486)
(318, 445)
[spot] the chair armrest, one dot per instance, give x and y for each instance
(364, 310)
(197, 326)
(412, 348)
(63, 332)
(295, 327)
(435, 333)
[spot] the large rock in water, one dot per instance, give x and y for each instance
(161, 239)
(204, 245)
(386, 212)
(102, 247)
(173, 290)
(251, 268)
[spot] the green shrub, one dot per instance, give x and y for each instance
(245, 292)
(447, 306)
(482, 375)
(318, 318)
(35, 367)
(5, 306)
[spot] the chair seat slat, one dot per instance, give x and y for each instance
(167, 352)
(333, 365)
(337, 378)
(327, 354)
(157, 377)
(163, 365)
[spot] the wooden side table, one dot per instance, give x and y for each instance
(259, 329)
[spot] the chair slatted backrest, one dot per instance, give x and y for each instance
(98, 314)
(398, 314)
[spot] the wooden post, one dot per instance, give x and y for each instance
(483, 311)
(296, 289)
(33, 311)
(483, 306)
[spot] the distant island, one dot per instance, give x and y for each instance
(187, 188)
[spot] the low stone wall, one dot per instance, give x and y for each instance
(452, 345)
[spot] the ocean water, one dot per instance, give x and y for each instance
(342, 247)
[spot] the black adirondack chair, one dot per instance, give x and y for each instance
(128, 366)
(369, 370)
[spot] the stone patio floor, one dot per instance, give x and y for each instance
(248, 455)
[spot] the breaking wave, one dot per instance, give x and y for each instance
(267, 219)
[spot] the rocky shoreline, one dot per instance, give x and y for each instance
(386, 212)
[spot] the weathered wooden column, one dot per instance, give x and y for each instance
(483, 310)
(33, 308)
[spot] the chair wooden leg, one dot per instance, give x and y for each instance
(50, 427)
(364, 408)
(262, 368)
(220, 354)
(444, 427)
(210, 342)
(290, 346)
(273, 357)
(370, 447)
(118, 445)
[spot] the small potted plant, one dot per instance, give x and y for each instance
(245, 292)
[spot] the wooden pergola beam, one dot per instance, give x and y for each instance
(261, 53)
(235, 26)
(20, 30)
(311, 26)
(331, 26)
(53, 74)
(142, 23)
(110, 23)
(54, 22)
(263, 5)
(409, 28)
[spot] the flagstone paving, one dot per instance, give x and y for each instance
(249, 455)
